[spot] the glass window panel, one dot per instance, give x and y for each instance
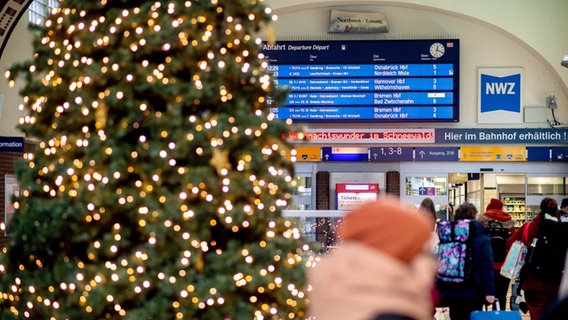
(40, 9)
(303, 186)
(426, 186)
(540, 186)
(320, 230)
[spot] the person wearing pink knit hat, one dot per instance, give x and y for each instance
(383, 266)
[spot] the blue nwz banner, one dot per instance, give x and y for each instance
(500, 93)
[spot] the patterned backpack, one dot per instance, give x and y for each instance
(454, 252)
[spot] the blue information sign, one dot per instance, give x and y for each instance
(427, 191)
(436, 153)
(361, 113)
(538, 153)
(548, 136)
(11, 144)
(366, 84)
(335, 154)
(559, 154)
(387, 154)
(368, 98)
(366, 80)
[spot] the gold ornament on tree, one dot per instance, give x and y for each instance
(220, 160)
(101, 116)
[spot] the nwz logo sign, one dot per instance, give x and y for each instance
(500, 88)
(500, 93)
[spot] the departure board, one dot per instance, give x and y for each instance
(366, 80)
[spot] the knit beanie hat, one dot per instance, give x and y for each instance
(495, 204)
(494, 211)
(388, 226)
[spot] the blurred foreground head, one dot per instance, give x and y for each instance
(383, 267)
(550, 206)
(389, 226)
(466, 210)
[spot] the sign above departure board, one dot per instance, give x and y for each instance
(366, 80)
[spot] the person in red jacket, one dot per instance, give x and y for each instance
(494, 213)
(538, 293)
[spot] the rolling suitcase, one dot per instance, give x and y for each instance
(496, 314)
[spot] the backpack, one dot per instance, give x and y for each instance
(546, 254)
(454, 253)
(498, 236)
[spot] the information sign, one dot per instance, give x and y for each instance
(11, 144)
(427, 191)
(366, 80)
(308, 154)
(352, 195)
(436, 153)
(538, 153)
(388, 154)
(559, 154)
(344, 154)
(493, 153)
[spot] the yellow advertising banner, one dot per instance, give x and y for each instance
(308, 154)
(493, 153)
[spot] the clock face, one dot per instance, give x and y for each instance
(437, 50)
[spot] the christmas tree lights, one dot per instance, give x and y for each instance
(156, 187)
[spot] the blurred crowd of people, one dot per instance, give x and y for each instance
(385, 265)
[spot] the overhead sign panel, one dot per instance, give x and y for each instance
(527, 136)
(308, 154)
(345, 154)
(390, 136)
(366, 80)
(436, 153)
(493, 153)
(502, 136)
(559, 154)
(538, 153)
(391, 154)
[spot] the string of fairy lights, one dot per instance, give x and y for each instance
(62, 176)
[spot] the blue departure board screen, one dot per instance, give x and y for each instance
(366, 80)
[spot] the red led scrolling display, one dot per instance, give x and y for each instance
(410, 136)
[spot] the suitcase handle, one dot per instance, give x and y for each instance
(495, 303)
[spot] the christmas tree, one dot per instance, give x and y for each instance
(156, 187)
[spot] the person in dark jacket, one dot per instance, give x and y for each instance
(480, 289)
(558, 310)
(538, 293)
(564, 208)
(494, 214)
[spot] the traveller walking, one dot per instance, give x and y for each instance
(500, 226)
(427, 206)
(477, 286)
(564, 208)
(429, 210)
(547, 242)
(382, 269)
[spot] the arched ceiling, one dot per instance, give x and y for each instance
(10, 13)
